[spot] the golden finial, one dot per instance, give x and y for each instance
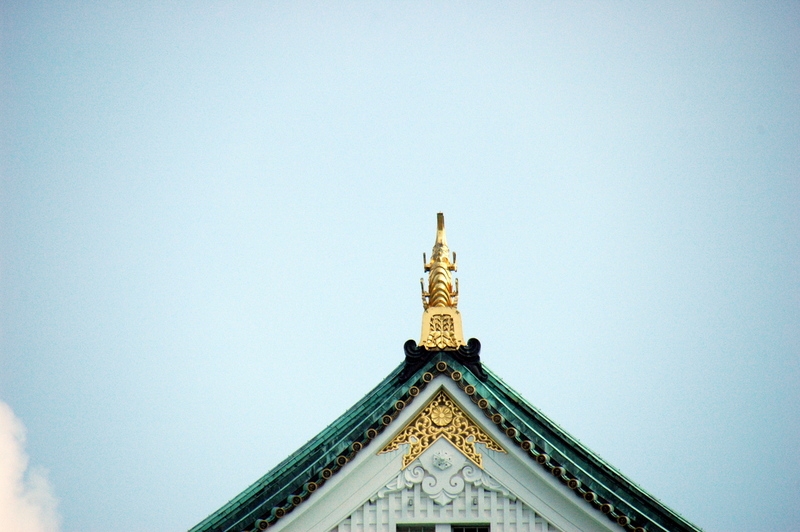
(441, 321)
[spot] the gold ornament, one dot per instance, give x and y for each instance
(441, 321)
(442, 418)
(441, 332)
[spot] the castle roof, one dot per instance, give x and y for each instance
(596, 484)
(444, 361)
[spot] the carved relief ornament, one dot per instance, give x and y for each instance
(442, 418)
(442, 476)
(441, 321)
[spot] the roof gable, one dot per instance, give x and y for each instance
(596, 486)
(374, 491)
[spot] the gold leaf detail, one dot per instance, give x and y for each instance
(442, 418)
(440, 291)
(442, 332)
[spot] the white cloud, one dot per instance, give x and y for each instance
(27, 503)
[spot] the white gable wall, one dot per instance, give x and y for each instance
(473, 505)
(451, 490)
(512, 493)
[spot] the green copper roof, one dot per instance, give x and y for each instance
(307, 464)
(293, 481)
(580, 463)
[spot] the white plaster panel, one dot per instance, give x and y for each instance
(472, 505)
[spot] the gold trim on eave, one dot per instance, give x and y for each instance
(442, 418)
(441, 321)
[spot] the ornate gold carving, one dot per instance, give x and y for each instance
(441, 415)
(441, 332)
(441, 322)
(442, 418)
(440, 285)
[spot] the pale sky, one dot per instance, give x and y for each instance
(212, 220)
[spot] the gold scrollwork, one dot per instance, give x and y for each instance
(442, 418)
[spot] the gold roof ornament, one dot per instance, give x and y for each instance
(441, 321)
(442, 418)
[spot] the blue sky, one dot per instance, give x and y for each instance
(213, 215)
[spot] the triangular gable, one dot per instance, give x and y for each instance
(345, 456)
(442, 484)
